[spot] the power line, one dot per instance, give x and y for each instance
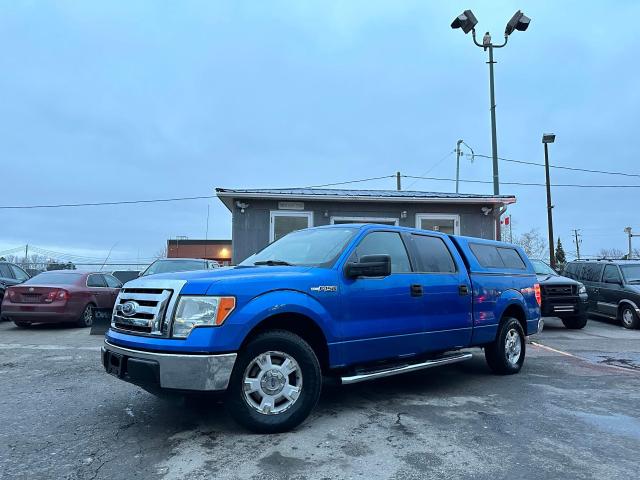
(562, 167)
(350, 182)
(526, 184)
(97, 204)
(438, 162)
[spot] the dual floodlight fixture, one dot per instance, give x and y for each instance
(548, 137)
(467, 22)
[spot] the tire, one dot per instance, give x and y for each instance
(266, 409)
(575, 323)
(86, 319)
(628, 317)
(22, 324)
(505, 355)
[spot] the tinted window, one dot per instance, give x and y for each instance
(611, 274)
(96, 281)
(384, 243)
(511, 258)
(54, 279)
(591, 272)
(112, 282)
(20, 274)
(631, 273)
(5, 271)
(487, 255)
(433, 255)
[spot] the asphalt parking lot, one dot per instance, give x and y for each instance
(573, 412)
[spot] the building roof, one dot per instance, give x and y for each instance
(227, 195)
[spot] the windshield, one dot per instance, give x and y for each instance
(54, 279)
(542, 268)
(311, 247)
(631, 273)
(169, 266)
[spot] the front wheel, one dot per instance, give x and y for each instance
(275, 383)
(629, 317)
(505, 355)
(575, 323)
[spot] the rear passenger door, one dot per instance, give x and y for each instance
(611, 291)
(98, 288)
(447, 292)
(590, 274)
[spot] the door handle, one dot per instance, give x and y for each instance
(416, 290)
(463, 290)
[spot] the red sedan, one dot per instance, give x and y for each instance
(60, 296)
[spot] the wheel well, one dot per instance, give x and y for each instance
(302, 326)
(623, 304)
(515, 311)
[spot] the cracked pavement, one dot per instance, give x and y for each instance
(573, 412)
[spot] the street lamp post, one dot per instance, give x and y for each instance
(467, 22)
(548, 138)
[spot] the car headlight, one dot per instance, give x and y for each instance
(194, 311)
(582, 289)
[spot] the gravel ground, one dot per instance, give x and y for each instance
(573, 412)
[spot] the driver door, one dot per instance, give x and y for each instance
(382, 316)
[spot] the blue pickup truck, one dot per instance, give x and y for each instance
(352, 302)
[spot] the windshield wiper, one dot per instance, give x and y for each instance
(634, 281)
(272, 263)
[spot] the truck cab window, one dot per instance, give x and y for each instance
(384, 243)
(433, 255)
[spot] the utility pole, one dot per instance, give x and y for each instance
(458, 166)
(398, 181)
(577, 241)
(548, 138)
(630, 234)
(26, 255)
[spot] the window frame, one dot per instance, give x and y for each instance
(415, 254)
(439, 216)
(407, 250)
(287, 213)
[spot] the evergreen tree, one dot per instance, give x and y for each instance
(561, 257)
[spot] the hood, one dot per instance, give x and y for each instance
(555, 280)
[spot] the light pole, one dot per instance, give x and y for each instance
(548, 138)
(629, 232)
(467, 22)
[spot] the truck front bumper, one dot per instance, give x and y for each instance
(152, 370)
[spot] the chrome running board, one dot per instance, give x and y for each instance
(388, 372)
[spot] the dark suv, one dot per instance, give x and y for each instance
(561, 296)
(613, 287)
(10, 275)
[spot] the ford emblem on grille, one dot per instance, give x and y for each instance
(129, 308)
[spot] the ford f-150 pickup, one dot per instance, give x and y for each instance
(352, 302)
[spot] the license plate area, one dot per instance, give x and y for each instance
(115, 364)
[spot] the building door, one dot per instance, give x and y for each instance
(283, 222)
(440, 222)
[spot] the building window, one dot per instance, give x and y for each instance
(439, 222)
(283, 222)
(377, 220)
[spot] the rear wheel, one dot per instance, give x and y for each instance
(575, 323)
(505, 355)
(629, 317)
(275, 383)
(86, 319)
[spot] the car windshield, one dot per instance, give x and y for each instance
(311, 247)
(170, 266)
(542, 268)
(54, 279)
(631, 272)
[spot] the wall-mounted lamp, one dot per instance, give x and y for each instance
(326, 214)
(486, 211)
(242, 206)
(403, 214)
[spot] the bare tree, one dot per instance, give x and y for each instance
(533, 243)
(162, 253)
(611, 253)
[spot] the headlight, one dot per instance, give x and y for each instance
(193, 311)
(582, 289)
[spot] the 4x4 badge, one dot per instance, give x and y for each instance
(325, 288)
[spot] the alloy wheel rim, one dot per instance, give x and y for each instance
(88, 315)
(627, 316)
(513, 347)
(272, 382)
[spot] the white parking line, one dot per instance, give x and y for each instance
(567, 354)
(12, 346)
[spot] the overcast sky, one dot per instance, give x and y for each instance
(123, 100)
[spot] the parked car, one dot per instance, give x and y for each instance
(60, 297)
(613, 287)
(10, 274)
(562, 297)
(125, 275)
(356, 302)
(169, 265)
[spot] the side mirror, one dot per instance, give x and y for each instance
(369, 266)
